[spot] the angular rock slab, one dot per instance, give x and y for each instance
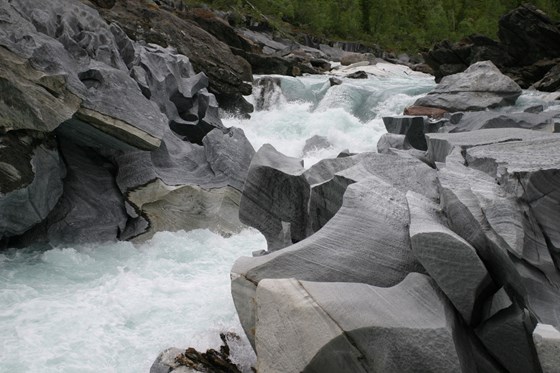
(402, 171)
(481, 86)
(507, 336)
(440, 145)
(450, 260)
(347, 327)
(529, 170)
(471, 121)
(275, 198)
(547, 343)
(367, 241)
(503, 231)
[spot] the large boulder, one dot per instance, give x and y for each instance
(529, 35)
(480, 87)
(472, 121)
(309, 327)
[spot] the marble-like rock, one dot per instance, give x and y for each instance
(413, 127)
(367, 241)
(440, 145)
(450, 260)
(529, 170)
(402, 171)
(91, 208)
(275, 197)
(311, 327)
(186, 186)
(547, 344)
(507, 336)
(479, 87)
(31, 173)
(71, 43)
(506, 235)
(471, 121)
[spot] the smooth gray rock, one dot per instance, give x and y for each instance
(390, 140)
(308, 327)
(165, 362)
(70, 40)
(471, 121)
(366, 241)
(547, 343)
(414, 128)
(31, 173)
(402, 171)
(275, 198)
(440, 145)
(479, 87)
(451, 261)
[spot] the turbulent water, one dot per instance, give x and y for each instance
(114, 307)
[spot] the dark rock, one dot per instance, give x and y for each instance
(31, 173)
(211, 361)
(551, 81)
(529, 35)
(414, 129)
(357, 75)
(274, 198)
(335, 81)
(534, 109)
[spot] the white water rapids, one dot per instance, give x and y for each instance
(114, 307)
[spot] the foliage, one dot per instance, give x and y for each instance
(394, 24)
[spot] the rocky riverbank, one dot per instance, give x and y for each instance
(437, 254)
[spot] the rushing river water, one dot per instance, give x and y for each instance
(113, 307)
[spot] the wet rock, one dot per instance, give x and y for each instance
(357, 75)
(320, 333)
(316, 142)
(551, 81)
(480, 87)
(274, 198)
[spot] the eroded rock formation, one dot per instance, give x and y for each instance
(106, 138)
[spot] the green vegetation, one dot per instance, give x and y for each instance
(393, 24)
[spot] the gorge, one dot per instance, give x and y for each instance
(380, 242)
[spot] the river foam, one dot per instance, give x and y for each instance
(114, 307)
